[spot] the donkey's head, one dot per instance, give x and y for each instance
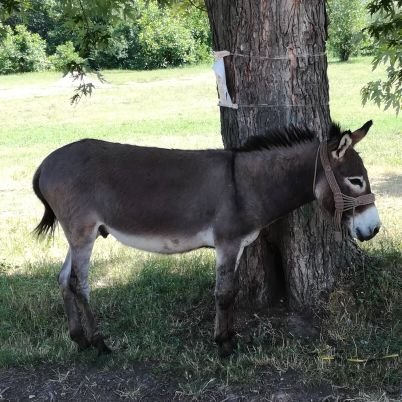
(342, 186)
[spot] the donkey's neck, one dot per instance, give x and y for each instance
(272, 183)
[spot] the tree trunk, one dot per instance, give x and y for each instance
(277, 74)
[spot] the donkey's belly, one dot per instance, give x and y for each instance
(165, 244)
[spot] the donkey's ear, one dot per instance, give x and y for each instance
(361, 132)
(344, 143)
(351, 139)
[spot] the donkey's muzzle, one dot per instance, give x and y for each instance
(369, 236)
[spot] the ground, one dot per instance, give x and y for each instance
(149, 381)
(59, 383)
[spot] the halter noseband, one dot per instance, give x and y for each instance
(342, 202)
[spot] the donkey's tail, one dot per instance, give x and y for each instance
(49, 221)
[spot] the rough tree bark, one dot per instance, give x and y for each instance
(278, 76)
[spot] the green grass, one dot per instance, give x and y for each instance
(346, 80)
(161, 309)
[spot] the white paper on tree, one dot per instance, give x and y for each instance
(219, 69)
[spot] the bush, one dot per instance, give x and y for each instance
(123, 49)
(64, 57)
(152, 36)
(346, 21)
(164, 41)
(198, 23)
(22, 51)
(158, 37)
(8, 53)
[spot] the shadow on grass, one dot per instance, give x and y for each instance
(159, 309)
(390, 185)
(165, 306)
(163, 312)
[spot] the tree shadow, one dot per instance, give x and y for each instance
(161, 309)
(161, 314)
(164, 305)
(389, 185)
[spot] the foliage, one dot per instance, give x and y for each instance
(64, 57)
(123, 48)
(12, 7)
(93, 20)
(184, 4)
(196, 19)
(163, 40)
(39, 16)
(7, 52)
(346, 21)
(386, 31)
(22, 51)
(157, 38)
(135, 34)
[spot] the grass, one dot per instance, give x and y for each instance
(160, 309)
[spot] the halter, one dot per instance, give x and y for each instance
(342, 201)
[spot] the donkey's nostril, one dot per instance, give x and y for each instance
(376, 230)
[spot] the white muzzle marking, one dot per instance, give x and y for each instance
(365, 225)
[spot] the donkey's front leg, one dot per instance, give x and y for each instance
(225, 292)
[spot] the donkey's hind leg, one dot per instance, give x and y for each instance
(226, 289)
(75, 328)
(80, 257)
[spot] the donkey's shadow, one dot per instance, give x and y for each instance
(163, 302)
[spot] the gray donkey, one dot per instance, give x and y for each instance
(173, 201)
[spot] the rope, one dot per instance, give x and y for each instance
(267, 105)
(291, 56)
(287, 57)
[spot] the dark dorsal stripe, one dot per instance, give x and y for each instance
(283, 137)
(286, 137)
(335, 131)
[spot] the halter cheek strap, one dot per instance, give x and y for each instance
(342, 201)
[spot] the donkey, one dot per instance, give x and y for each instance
(173, 201)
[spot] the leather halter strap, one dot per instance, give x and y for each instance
(343, 202)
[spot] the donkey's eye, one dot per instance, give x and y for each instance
(356, 182)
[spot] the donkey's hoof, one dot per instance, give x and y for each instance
(105, 350)
(99, 344)
(80, 339)
(84, 344)
(226, 348)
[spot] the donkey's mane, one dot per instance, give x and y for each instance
(335, 134)
(286, 137)
(281, 137)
